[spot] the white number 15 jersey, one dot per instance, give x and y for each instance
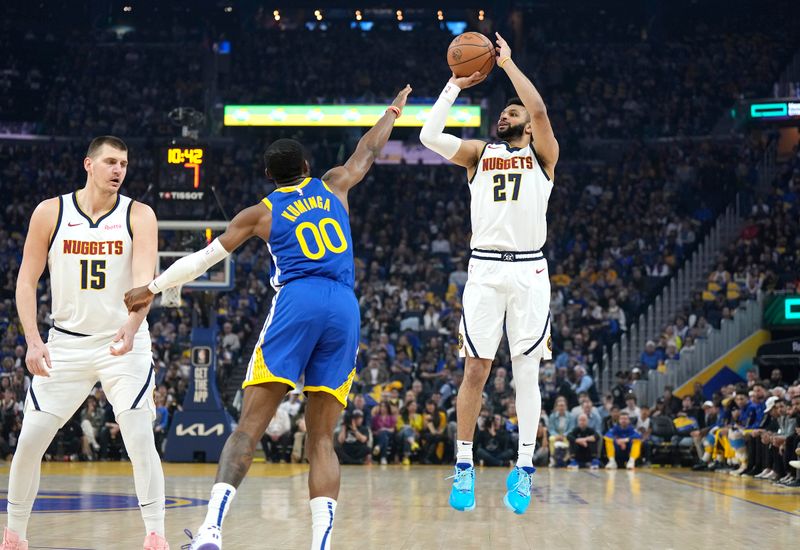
(509, 194)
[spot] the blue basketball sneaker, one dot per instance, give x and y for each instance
(519, 483)
(462, 495)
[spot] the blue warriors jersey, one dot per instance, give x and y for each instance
(310, 234)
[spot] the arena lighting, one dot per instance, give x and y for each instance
(228, 9)
(277, 15)
(127, 8)
(358, 15)
(399, 15)
(318, 15)
(440, 15)
(480, 15)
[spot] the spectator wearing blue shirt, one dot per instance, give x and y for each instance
(623, 441)
(651, 356)
(559, 425)
(753, 413)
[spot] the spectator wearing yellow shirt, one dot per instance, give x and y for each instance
(409, 427)
(560, 279)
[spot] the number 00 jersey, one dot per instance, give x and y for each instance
(90, 265)
(310, 234)
(509, 194)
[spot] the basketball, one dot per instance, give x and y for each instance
(470, 52)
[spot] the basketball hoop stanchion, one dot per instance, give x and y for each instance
(199, 431)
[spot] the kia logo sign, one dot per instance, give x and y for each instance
(199, 429)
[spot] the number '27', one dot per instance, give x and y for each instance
(500, 186)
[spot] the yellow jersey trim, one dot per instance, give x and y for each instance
(326, 389)
(292, 188)
(267, 202)
(326, 186)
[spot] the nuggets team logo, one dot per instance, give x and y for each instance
(460, 340)
(549, 343)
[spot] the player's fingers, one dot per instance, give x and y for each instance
(46, 357)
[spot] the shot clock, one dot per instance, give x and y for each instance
(182, 189)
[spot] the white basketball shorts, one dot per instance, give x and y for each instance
(79, 362)
(511, 289)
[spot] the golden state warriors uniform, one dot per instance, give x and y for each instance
(90, 264)
(508, 281)
(313, 326)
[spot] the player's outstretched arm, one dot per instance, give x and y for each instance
(144, 228)
(462, 152)
(255, 221)
(544, 141)
(345, 177)
(34, 258)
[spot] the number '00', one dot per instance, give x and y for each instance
(322, 240)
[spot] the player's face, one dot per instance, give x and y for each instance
(107, 168)
(513, 123)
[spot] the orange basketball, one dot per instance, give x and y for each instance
(470, 52)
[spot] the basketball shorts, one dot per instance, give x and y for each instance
(511, 289)
(79, 362)
(312, 331)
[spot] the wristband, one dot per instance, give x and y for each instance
(450, 93)
(506, 58)
(152, 287)
(395, 110)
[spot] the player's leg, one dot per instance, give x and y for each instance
(50, 402)
(528, 327)
(322, 413)
(129, 382)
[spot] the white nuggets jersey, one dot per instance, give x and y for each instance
(509, 191)
(90, 266)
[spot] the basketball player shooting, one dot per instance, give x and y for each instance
(510, 183)
(312, 330)
(95, 243)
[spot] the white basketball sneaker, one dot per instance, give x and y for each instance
(207, 538)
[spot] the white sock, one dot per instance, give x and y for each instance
(136, 427)
(221, 499)
(529, 405)
(464, 452)
(322, 511)
(38, 430)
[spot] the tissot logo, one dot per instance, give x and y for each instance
(199, 429)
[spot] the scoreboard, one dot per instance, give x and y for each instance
(182, 187)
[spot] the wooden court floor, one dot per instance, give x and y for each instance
(93, 507)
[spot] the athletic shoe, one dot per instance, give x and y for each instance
(764, 473)
(11, 541)
(740, 471)
(573, 465)
(154, 541)
(700, 467)
(406, 461)
(518, 497)
(795, 464)
(611, 465)
(771, 477)
(208, 538)
(384, 462)
(595, 464)
(462, 495)
(631, 464)
(793, 483)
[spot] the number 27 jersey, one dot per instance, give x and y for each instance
(310, 234)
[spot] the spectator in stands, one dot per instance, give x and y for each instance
(787, 422)
(672, 404)
(559, 425)
(383, 425)
(160, 424)
(353, 439)
(707, 421)
(633, 410)
(623, 443)
(651, 356)
(360, 404)
(492, 444)
(277, 440)
(621, 390)
(434, 422)
(409, 427)
(612, 419)
(584, 445)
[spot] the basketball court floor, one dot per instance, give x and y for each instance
(91, 506)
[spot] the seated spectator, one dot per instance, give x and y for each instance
(634, 412)
(623, 444)
(621, 389)
(299, 453)
(434, 422)
(92, 420)
(542, 452)
(672, 403)
(651, 356)
(584, 445)
(161, 423)
(611, 420)
(409, 427)
(383, 425)
(277, 440)
(492, 444)
(559, 425)
(353, 439)
(585, 383)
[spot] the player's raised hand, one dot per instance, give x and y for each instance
(137, 298)
(38, 359)
(123, 340)
(464, 82)
(400, 100)
(503, 49)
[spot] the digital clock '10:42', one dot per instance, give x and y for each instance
(180, 155)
